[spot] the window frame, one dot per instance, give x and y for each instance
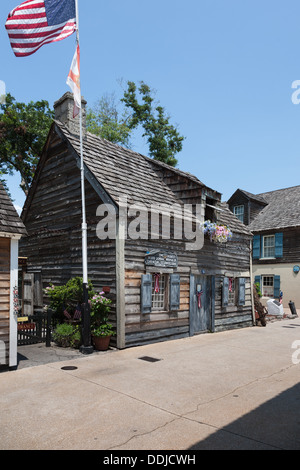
(264, 237)
(232, 300)
(163, 283)
(239, 215)
(263, 277)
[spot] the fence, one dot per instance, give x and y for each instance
(36, 328)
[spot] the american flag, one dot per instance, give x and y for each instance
(66, 314)
(37, 22)
(77, 314)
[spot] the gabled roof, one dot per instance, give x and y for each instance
(10, 221)
(253, 197)
(226, 217)
(282, 210)
(123, 172)
(115, 171)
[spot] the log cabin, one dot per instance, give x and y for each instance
(274, 219)
(11, 230)
(143, 218)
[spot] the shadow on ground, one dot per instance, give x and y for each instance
(273, 425)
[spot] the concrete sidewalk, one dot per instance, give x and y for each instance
(233, 390)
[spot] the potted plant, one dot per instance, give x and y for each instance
(101, 329)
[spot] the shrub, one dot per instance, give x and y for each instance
(67, 296)
(67, 336)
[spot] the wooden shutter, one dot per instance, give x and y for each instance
(28, 293)
(256, 247)
(242, 291)
(146, 293)
(278, 245)
(257, 280)
(174, 292)
(225, 292)
(276, 286)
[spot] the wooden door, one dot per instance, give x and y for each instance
(202, 301)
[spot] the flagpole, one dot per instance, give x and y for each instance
(86, 348)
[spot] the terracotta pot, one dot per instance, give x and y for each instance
(101, 343)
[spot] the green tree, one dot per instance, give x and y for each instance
(23, 132)
(163, 138)
(106, 121)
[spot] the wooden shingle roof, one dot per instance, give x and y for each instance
(10, 222)
(123, 172)
(226, 217)
(253, 197)
(282, 210)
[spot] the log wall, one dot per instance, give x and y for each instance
(4, 299)
(54, 242)
(230, 260)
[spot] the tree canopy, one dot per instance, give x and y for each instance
(163, 138)
(23, 132)
(105, 120)
(24, 129)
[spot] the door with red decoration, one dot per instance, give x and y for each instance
(202, 302)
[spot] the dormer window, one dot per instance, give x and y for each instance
(210, 210)
(239, 212)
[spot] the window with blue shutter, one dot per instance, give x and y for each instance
(276, 287)
(174, 292)
(242, 291)
(278, 245)
(256, 247)
(146, 293)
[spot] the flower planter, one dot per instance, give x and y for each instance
(217, 233)
(101, 343)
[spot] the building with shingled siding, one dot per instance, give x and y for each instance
(274, 219)
(161, 287)
(11, 230)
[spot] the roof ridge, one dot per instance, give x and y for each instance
(281, 189)
(152, 161)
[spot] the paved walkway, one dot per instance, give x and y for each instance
(232, 390)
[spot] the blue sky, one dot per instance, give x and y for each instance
(223, 70)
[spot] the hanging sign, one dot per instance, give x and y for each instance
(161, 259)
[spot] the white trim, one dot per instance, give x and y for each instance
(266, 247)
(239, 215)
(14, 236)
(120, 281)
(13, 320)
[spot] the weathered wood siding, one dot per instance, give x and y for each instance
(251, 208)
(291, 247)
(54, 247)
(4, 298)
(232, 259)
(54, 242)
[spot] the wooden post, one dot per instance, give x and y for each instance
(120, 281)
